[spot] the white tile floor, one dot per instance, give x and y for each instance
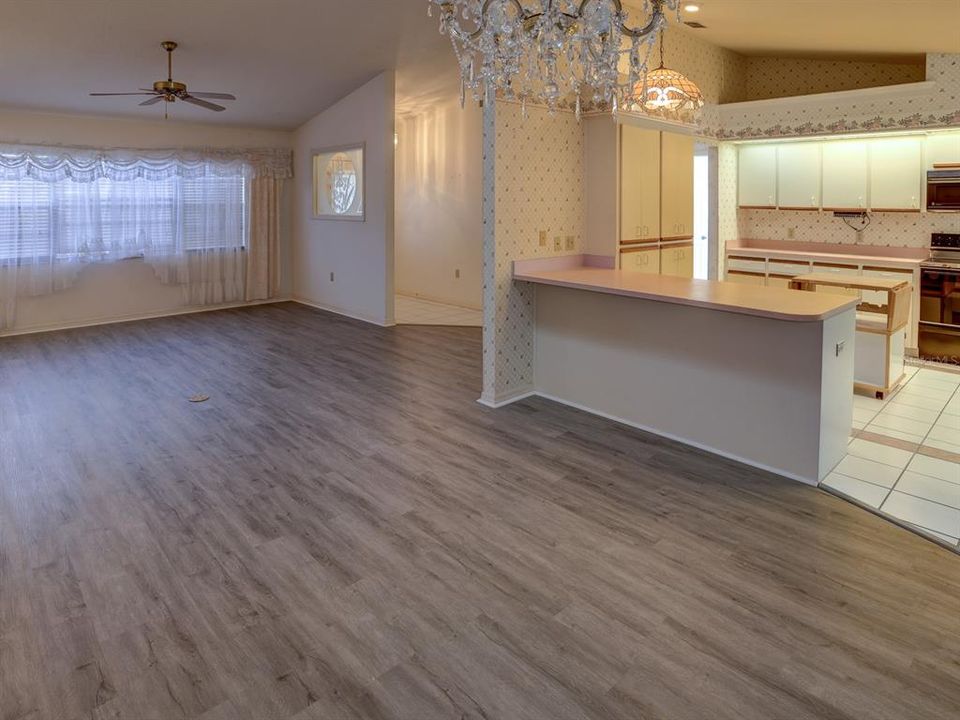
(415, 311)
(906, 464)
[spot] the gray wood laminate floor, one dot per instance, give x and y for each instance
(343, 532)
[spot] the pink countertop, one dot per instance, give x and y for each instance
(902, 257)
(768, 302)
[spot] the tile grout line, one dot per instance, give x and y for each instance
(920, 444)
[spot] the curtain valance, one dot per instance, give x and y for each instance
(84, 165)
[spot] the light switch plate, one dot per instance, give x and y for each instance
(543, 238)
(570, 242)
(556, 243)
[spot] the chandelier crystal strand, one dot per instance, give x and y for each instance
(551, 52)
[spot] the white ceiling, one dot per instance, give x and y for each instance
(835, 28)
(287, 60)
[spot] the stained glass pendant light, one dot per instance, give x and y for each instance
(669, 92)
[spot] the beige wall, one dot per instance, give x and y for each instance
(439, 223)
(128, 289)
(359, 254)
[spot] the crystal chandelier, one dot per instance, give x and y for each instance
(668, 92)
(556, 53)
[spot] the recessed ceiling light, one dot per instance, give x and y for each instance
(691, 8)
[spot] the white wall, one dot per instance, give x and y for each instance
(129, 289)
(439, 216)
(360, 254)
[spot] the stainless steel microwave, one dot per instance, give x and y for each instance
(943, 190)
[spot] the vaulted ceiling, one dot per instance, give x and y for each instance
(287, 60)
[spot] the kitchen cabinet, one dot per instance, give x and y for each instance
(772, 266)
(641, 260)
(640, 183)
(676, 186)
(845, 175)
(780, 281)
(677, 261)
(758, 176)
(798, 176)
(745, 278)
(943, 148)
(877, 298)
(896, 172)
(837, 269)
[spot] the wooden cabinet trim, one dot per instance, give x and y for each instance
(818, 263)
(625, 250)
(902, 271)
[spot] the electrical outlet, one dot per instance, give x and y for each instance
(557, 245)
(791, 233)
(570, 242)
(543, 238)
(456, 273)
(859, 236)
(331, 277)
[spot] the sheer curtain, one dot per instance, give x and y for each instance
(186, 213)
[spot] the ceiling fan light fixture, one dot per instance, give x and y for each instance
(171, 91)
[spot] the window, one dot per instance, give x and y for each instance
(115, 219)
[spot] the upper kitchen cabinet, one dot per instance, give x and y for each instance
(798, 176)
(845, 176)
(896, 172)
(639, 184)
(943, 149)
(676, 186)
(758, 176)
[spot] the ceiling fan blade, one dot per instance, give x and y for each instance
(213, 96)
(202, 103)
(152, 101)
(111, 94)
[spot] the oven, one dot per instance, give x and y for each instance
(943, 190)
(940, 300)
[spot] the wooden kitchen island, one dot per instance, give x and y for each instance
(758, 374)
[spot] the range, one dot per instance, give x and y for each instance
(940, 300)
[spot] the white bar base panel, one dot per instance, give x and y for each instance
(774, 394)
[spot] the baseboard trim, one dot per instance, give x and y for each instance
(439, 301)
(507, 399)
(113, 320)
(339, 311)
(652, 431)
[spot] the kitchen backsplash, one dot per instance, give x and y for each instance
(887, 229)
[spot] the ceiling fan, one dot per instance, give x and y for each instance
(170, 90)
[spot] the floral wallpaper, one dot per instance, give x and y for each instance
(533, 183)
(774, 77)
(727, 225)
(895, 110)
